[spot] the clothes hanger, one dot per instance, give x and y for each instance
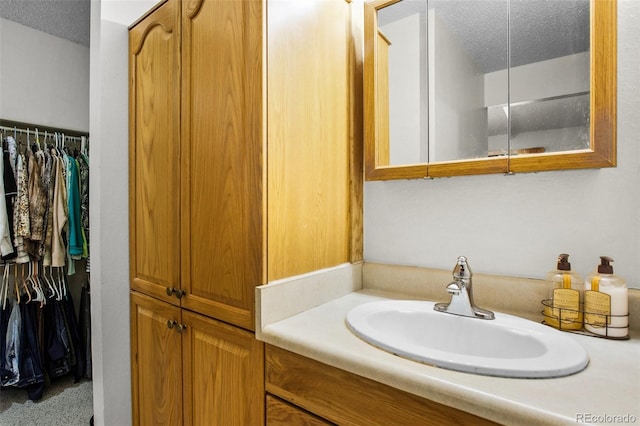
(15, 283)
(64, 144)
(53, 285)
(56, 147)
(60, 285)
(34, 279)
(24, 283)
(4, 290)
(37, 142)
(63, 281)
(52, 288)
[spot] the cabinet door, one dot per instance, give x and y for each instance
(222, 158)
(223, 374)
(309, 136)
(154, 152)
(156, 362)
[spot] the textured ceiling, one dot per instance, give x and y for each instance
(67, 19)
(540, 29)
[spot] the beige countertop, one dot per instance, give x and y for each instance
(607, 388)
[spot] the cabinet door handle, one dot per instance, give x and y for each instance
(171, 323)
(178, 293)
(181, 327)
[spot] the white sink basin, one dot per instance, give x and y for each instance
(507, 346)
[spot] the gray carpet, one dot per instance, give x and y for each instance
(64, 403)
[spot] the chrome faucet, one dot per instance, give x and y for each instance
(462, 295)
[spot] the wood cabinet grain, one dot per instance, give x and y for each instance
(281, 413)
(156, 363)
(192, 370)
(154, 152)
(244, 169)
(222, 158)
(348, 399)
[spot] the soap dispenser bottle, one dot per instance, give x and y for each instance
(563, 309)
(606, 302)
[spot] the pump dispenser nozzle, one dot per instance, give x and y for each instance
(563, 262)
(605, 266)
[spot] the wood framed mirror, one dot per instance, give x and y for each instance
(445, 96)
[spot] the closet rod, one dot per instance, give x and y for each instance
(9, 125)
(32, 132)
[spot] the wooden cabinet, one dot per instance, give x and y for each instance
(223, 373)
(154, 153)
(196, 214)
(244, 168)
(156, 362)
(309, 199)
(223, 159)
(231, 188)
(348, 399)
(190, 369)
(196, 156)
(281, 413)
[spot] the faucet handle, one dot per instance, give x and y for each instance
(454, 289)
(462, 270)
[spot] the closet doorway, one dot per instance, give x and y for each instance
(44, 84)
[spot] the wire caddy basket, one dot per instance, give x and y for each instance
(565, 320)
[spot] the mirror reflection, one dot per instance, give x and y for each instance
(473, 79)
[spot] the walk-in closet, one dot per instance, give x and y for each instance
(45, 311)
(45, 290)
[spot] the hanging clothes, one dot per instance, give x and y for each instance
(38, 195)
(10, 192)
(84, 325)
(35, 227)
(75, 219)
(44, 226)
(22, 224)
(31, 371)
(60, 207)
(11, 362)
(5, 372)
(40, 338)
(48, 239)
(83, 168)
(6, 245)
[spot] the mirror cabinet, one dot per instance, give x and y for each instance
(462, 87)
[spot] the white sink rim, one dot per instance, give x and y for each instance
(561, 356)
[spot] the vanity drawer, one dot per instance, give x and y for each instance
(281, 413)
(348, 399)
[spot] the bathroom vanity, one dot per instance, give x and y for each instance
(332, 374)
(345, 398)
